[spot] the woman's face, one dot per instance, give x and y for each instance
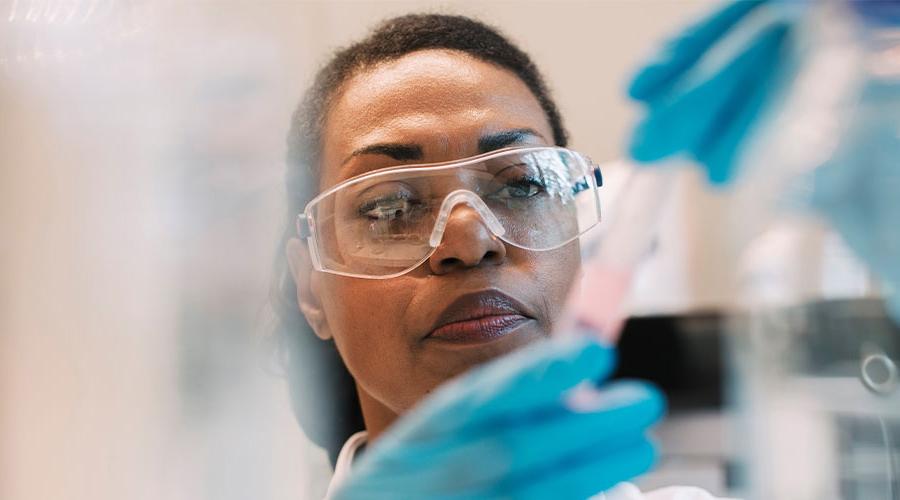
(432, 106)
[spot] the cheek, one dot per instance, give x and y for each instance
(555, 273)
(365, 312)
(367, 322)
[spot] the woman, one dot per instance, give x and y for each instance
(404, 291)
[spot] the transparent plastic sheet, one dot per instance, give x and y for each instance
(814, 345)
(142, 147)
(808, 246)
(813, 352)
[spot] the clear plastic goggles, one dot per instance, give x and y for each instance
(385, 223)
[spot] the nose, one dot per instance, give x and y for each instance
(467, 242)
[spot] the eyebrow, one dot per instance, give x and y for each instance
(486, 143)
(396, 151)
(500, 140)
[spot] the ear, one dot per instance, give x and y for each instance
(307, 298)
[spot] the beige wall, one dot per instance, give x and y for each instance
(587, 50)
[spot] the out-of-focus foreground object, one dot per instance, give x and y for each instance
(708, 86)
(796, 106)
(141, 148)
(814, 227)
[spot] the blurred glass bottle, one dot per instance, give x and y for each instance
(817, 234)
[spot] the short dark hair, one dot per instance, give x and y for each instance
(314, 368)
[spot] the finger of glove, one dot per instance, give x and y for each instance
(685, 50)
(689, 119)
(739, 112)
(520, 441)
(671, 129)
(535, 376)
(478, 462)
(467, 463)
(631, 407)
(589, 474)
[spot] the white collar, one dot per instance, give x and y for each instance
(345, 460)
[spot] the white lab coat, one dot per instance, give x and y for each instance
(622, 491)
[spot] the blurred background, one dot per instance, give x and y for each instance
(142, 146)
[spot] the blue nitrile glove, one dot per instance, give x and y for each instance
(858, 190)
(708, 86)
(510, 429)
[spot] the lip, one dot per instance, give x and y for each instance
(479, 317)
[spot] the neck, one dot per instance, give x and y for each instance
(376, 415)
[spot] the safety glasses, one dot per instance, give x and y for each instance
(385, 223)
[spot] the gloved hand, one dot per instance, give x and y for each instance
(709, 85)
(857, 189)
(514, 428)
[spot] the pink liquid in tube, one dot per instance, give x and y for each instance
(598, 304)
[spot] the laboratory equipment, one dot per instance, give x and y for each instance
(803, 100)
(816, 340)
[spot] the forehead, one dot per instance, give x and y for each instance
(441, 100)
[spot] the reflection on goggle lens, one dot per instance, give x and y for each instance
(385, 223)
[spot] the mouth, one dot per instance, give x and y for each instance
(479, 318)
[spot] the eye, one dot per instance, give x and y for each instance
(522, 187)
(389, 208)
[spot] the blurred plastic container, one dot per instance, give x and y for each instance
(817, 341)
